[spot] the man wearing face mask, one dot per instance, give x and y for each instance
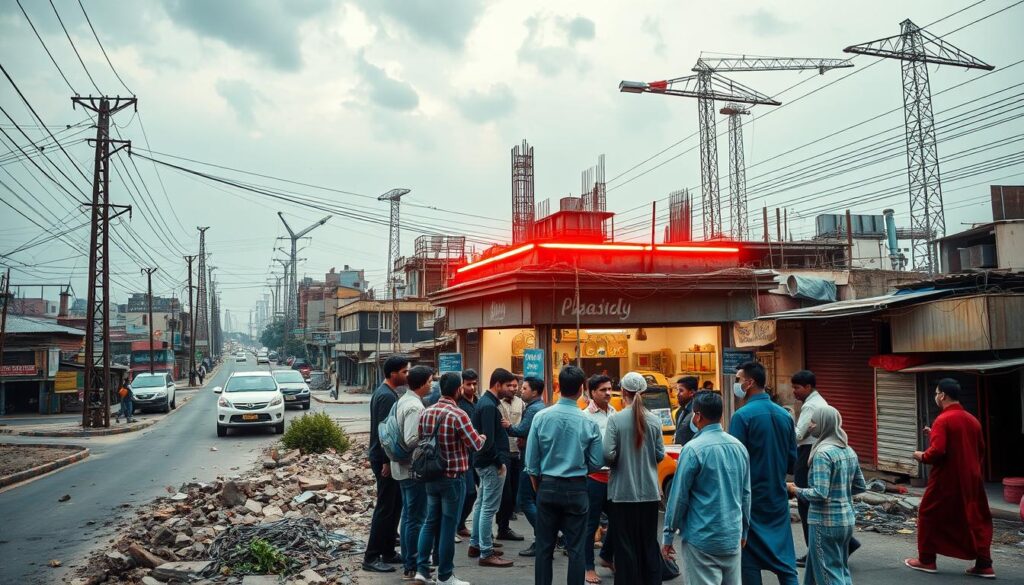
(954, 519)
(768, 433)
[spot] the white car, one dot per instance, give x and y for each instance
(240, 357)
(262, 358)
(250, 399)
(153, 392)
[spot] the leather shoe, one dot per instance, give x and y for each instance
(495, 560)
(529, 551)
(378, 566)
(463, 532)
(394, 559)
(474, 552)
(510, 535)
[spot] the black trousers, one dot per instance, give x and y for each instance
(509, 492)
(386, 515)
(637, 554)
(563, 505)
(467, 504)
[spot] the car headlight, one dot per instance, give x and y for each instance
(159, 394)
(276, 401)
(223, 402)
(305, 390)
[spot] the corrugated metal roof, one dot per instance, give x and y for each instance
(856, 306)
(976, 366)
(19, 324)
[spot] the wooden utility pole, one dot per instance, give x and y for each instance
(149, 297)
(96, 394)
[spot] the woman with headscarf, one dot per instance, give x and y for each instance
(633, 447)
(835, 477)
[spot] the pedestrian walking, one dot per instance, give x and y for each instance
(804, 385)
(414, 495)
(456, 439)
(127, 406)
(767, 431)
(709, 504)
(491, 465)
(599, 389)
(633, 447)
(526, 497)
(954, 519)
(467, 402)
(202, 373)
(511, 407)
(564, 445)
(834, 478)
(380, 545)
(686, 388)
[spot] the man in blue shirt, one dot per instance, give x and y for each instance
(768, 433)
(533, 396)
(563, 447)
(710, 489)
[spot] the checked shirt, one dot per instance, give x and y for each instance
(455, 435)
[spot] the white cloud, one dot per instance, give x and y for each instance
(490, 104)
(551, 43)
(384, 90)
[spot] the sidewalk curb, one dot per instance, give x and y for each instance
(14, 478)
(322, 401)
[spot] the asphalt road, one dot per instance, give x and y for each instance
(122, 471)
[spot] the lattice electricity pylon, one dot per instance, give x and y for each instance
(291, 317)
(916, 48)
(737, 171)
(394, 251)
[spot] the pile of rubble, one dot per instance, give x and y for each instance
(191, 535)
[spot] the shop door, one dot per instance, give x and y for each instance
(837, 352)
(21, 397)
(897, 422)
(1004, 430)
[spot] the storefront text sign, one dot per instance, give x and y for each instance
(498, 311)
(449, 362)
(533, 363)
(753, 333)
(617, 308)
(66, 382)
(23, 370)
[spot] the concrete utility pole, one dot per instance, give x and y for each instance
(292, 312)
(191, 326)
(149, 297)
(95, 393)
(213, 311)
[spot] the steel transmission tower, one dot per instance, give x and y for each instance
(709, 86)
(202, 318)
(292, 290)
(737, 171)
(394, 251)
(96, 394)
(917, 48)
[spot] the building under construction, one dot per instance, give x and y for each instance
(433, 262)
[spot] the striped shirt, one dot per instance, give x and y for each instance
(455, 435)
(835, 476)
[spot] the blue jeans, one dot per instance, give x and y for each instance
(127, 407)
(527, 499)
(597, 495)
(444, 504)
(561, 505)
(828, 555)
(414, 512)
(488, 500)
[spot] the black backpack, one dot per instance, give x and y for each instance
(427, 462)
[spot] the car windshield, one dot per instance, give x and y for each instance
(250, 384)
(656, 397)
(147, 381)
(288, 376)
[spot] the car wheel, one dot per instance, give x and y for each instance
(305, 405)
(222, 431)
(279, 428)
(167, 406)
(174, 403)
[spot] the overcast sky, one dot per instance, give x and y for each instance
(366, 95)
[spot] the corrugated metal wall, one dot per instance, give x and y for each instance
(837, 351)
(897, 422)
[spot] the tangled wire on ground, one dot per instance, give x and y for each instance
(876, 519)
(303, 542)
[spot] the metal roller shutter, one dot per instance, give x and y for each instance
(897, 422)
(837, 351)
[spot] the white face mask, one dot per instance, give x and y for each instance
(693, 427)
(737, 390)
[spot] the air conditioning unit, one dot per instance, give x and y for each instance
(979, 257)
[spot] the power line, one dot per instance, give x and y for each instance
(47, 49)
(116, 74)
(77, 54)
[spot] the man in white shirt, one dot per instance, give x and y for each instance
(414, 495)
(804, 385)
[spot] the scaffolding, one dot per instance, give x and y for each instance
(522, 192)
(680, 217)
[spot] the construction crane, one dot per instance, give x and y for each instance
(709, 86)
(916, 48)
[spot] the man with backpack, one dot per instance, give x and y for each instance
(380, 546)
(455, 436)
(407, 418)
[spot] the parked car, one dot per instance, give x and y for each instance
(153, 392)
(303, 367)
(250, 399)
(293, 387)
(273, 356)
(262, 357)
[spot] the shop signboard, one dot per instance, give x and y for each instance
(66, 382)
(18, 370)
(753, 333)
(52, 362)
(449, 362)
(733, 358)
(533, 363)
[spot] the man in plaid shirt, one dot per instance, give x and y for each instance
(455, 434)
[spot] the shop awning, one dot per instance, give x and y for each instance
(856, 306)
(973, 366)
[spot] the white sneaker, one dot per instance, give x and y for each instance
(453, 580)
(420, 579)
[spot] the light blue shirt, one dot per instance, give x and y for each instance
(711, 488)
(563, 442)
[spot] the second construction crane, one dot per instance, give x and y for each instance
(709, 86)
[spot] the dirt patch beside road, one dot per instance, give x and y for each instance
(17, 458)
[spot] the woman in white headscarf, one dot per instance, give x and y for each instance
(834, 478)
(633, 447)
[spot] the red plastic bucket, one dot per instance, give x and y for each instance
(1013, 489)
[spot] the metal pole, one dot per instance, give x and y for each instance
(191, 325)
(149, 288)
(3, 315)
(849, 241)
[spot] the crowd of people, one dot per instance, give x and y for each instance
(575, 473)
